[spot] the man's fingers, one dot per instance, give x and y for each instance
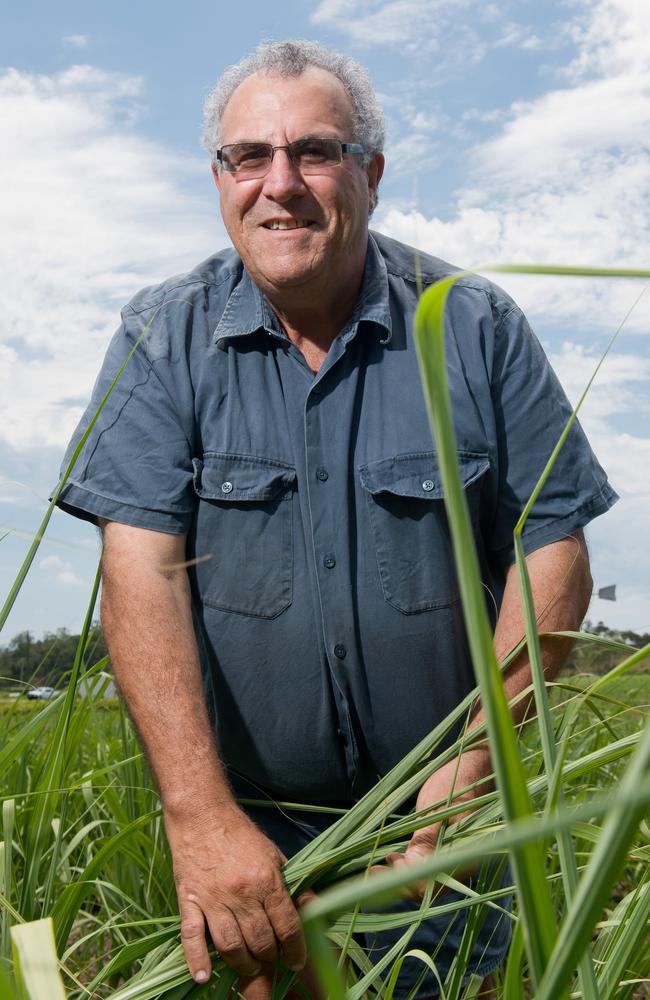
(229, 942)
(287, 927)
(258, 934)
(193, 939)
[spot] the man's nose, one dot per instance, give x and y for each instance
(284, 180)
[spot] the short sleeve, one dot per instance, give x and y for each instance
(531, 411)
(136, 466)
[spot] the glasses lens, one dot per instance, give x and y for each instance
(248, 159)
(311, 153)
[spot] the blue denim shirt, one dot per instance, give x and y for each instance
(325, 598)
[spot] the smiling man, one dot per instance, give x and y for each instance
(296, 200)
(280, 599)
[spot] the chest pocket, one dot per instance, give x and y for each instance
(410, 530)
(243, 533)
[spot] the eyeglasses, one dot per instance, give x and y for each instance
(250, 160)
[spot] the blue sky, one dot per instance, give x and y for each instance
(517, 131)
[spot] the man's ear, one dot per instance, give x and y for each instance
(375, 169)
(217, 176)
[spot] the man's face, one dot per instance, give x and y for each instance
(330, 208)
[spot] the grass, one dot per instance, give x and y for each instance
(108, 829)
(83, 841)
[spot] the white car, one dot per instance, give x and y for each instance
(42, 693)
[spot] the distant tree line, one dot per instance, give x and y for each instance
(48, 660)
(587, 657)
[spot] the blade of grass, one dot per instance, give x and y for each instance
(604, 866)
(8, 815)
(324, 961)
(7, 991)
(632, 917)
(513, 983)
(528, 861)
(568, 865)
(47, 788)
(35, 962)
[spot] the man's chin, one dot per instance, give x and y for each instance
(286, 279)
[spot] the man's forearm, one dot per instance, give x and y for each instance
(561, 584)
(227, 872)
(147, 622)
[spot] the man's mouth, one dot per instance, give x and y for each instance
(288, 224)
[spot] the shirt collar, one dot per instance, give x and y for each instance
(248, 311)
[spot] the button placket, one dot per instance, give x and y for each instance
(320, 414)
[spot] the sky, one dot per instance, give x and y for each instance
(517, 132)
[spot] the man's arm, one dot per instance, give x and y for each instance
(561, 585)
(227, 872)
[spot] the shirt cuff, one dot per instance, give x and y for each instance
(554, 531)
(89, 506)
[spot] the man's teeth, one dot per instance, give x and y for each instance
(289, 224)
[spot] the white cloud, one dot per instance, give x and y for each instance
(612, 37)
(90, 210)
(76, 41)
(620, 384)
(457, 31)
(489, 116)
(565, 179)
(519, 36)
(413, 25)
(61, 571)
(619, 390)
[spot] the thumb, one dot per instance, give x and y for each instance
(422, 843)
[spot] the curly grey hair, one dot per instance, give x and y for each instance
(291, 58)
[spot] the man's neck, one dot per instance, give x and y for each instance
(313, 322)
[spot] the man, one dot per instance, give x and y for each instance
(277, 567)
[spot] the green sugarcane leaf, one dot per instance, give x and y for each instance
(65, 908)
(35, 962)
(625, 937)
(596, 883)
(528, 861)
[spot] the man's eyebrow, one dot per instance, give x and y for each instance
(266, 142)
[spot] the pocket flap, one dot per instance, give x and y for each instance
(221, 476)
(418, 475)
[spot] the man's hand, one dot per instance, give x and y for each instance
(447, 784)
(229, 883)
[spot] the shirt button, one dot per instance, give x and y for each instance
(340, 652)
(322, 474)
(226, 487)
(329, 562)
(427, 485)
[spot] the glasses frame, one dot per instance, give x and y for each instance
(347, 148)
